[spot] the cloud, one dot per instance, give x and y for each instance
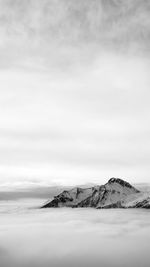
(74, 91)
(70, 237)
(56, 32)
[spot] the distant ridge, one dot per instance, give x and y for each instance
(116, 193)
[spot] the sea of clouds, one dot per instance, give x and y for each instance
(31, 237)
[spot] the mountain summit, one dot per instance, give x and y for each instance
(116, 193)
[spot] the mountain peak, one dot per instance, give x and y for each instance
(120, 181)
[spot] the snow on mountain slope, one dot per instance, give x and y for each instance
(142, 200)
(113, 191)
(70, 198)
(116, 193)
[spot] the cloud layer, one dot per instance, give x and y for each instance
(70, 237)
(60, 30)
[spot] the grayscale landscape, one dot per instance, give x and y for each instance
(70, 237)
(74, 133)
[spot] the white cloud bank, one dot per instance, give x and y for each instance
(73, 237)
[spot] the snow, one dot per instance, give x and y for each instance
(115, 191)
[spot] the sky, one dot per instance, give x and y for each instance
(74, 91)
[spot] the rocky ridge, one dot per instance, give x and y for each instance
(116, 193)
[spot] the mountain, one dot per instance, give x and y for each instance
(116, 193)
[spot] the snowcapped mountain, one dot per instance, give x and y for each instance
(116, 193)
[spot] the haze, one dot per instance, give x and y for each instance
(74, 94)
(72, 237)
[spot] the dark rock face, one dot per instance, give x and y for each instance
(121, 182)
(116, 193)
(98, 195)
(61, 198)
(117, 205)
(143, 204)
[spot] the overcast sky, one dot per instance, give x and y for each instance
(74, 91)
